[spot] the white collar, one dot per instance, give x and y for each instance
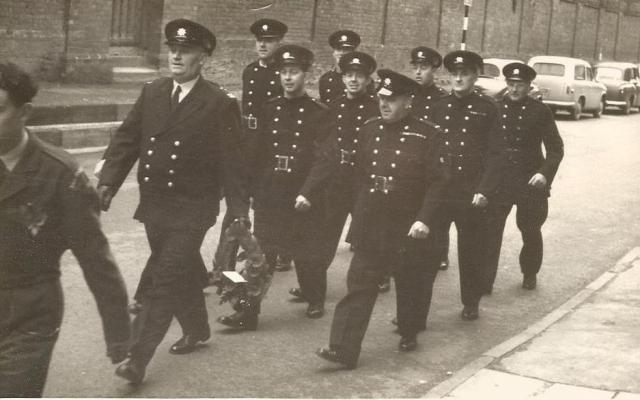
(185, 87)
(13, 156)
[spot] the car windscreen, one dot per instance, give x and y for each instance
(490, 70)
(549, 69)
(608, 73)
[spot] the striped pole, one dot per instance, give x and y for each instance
(465, 24)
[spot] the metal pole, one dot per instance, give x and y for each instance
(465, 24)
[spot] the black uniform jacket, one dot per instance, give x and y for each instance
(285, 148)
(424, 100)
(186, 156)
(259, 84)
(525, 126)
(471, 148)
(47, 206)
(398, 178)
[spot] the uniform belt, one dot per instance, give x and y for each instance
(383, 184)
(283, 163)
(251, 121)
(347, 157)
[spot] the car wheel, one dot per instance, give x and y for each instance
(626, 109)
(576, 111)
(598, 112)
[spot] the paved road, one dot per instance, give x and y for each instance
(593, 221)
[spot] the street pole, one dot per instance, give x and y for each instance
(465, 24)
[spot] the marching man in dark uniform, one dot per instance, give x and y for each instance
(284, 151)
(400, 188)
(47, 206)
(425, 62)
(185, 133)
(330, 84)
(526, 124)
(468, 144)
(347, 113)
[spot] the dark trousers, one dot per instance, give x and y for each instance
(300, 234)
(339, 204)
(470, 224)
(441, 241)
(226, 221)
(367, 269)
(30, 319)
(531, 213)
(177, 275)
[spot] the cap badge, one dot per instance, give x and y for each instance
(516, 71)
(420, 54)
(355, 61)
(286, 55)
(182, 33)
(265, 27)
(387, 81)
(459, 59)
(343, 38)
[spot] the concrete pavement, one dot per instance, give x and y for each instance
(588, 348)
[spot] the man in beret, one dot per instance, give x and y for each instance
(469, 144)
(330, 83)
(185, 133)
(261, 82)
(283, 151)
(400, 189)
(347, 115)
(528, 125)
(47, 206)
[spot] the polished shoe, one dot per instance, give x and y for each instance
(384, 287)
(444, 265)
(131, 372)
(335, 357)
(470, 313)
(188, 343)
(315, 311)
(408, 343)
(529, 282)
(134, 308)
(297, 294)
(242, 320)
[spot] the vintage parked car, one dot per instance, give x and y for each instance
(491, 81)
(568, 84)
(623, 84)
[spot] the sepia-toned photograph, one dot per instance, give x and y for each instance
(320, 199)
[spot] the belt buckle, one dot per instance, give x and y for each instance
(252, 122)
(345, 157)
(380, 183)
(282, 163)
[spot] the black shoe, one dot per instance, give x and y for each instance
(283, 265)
(444, 265)
(335, 357)
(131, 371)
(470, 313)
(245, 320)
(134, 308)
(529, 282)
(297, 295)
(408, 343)
(315, 311)
(384, 287)
(188, 343)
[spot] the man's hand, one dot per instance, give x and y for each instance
(117, 352)
(302, 204)
(418, 230)
(538, 181)
(105, 195)
(479, 201)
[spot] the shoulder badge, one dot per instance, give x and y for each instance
(372, 119)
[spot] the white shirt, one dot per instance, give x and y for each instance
(13, 156)
(185, 87)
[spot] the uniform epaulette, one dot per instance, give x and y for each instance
(57, 154)
(487, 98)
(274, 99)
(428, 123)
(372, 119)
(319, 103)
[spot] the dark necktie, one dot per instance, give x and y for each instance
(4, 172)
(175, 99)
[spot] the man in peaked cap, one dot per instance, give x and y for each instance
(47, 205)
(527, 125)
(184, 131)
(347, 115)
(330, 83)
(400, 187)
(283, 150)
(469, 143)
